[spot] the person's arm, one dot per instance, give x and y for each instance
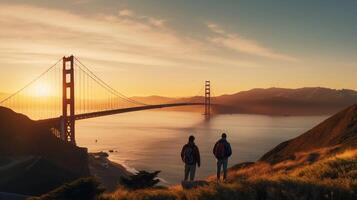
(229, 149)
(182, 153)
(214, 149)
(198, 157)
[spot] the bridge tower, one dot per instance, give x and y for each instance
(207, 98)
(68, 115)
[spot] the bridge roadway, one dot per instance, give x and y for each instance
(56, 120)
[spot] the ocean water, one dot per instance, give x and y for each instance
(152, 140)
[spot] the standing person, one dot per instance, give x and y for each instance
(222, 151)
(190, 155)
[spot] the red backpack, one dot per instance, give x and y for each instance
(220, 150)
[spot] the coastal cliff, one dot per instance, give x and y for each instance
(34, 161)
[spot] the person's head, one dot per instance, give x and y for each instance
(191, 138)
(224, 136)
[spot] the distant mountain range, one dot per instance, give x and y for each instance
(273, 101)
(270, 101)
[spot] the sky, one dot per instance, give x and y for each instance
(169, 48)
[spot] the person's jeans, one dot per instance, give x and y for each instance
(221, 162)
(190, 169)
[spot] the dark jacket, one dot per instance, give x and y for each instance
(196, 153)
(227, 148)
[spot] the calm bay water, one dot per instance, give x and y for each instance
(152, 140)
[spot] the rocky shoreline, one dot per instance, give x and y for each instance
(106, 171)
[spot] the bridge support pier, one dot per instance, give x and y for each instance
(207, 98)
(68, 114)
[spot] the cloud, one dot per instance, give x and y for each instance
(240, 44)
(126, 13)
(157, 22)
(215, 28)
(28, 29)
(129, 14)
(125, 38)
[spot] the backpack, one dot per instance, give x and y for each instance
(188, 155)
(220, 151)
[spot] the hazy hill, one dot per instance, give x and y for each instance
(154, 99)
(280, 101)
(275, 101)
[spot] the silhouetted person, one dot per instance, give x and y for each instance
(222, 151)
(190, 155)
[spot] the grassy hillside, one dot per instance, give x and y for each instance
(334, 177)
(335, 133)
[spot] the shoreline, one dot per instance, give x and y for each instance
(106, 171)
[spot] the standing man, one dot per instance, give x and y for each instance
(222, 151)
(190, 155)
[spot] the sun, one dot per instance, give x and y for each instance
(42, 90)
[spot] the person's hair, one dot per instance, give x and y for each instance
(224, 135)
(191, 138)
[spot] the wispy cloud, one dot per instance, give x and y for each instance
(126, 38)
(126, 13)
(129, 14)
(81, 1)
(27, 29)
(244, 45)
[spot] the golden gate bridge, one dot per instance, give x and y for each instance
(65, 93)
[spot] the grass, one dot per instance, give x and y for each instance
(334, 177)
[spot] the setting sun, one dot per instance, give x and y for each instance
(42, 90)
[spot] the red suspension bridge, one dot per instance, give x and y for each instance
(65, 93)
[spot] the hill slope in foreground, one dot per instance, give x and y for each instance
(319, 164)
(335, 133)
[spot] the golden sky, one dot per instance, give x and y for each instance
(140, 53)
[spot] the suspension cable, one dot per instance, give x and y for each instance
(108, 86)
(34, 80)
(101, 83)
